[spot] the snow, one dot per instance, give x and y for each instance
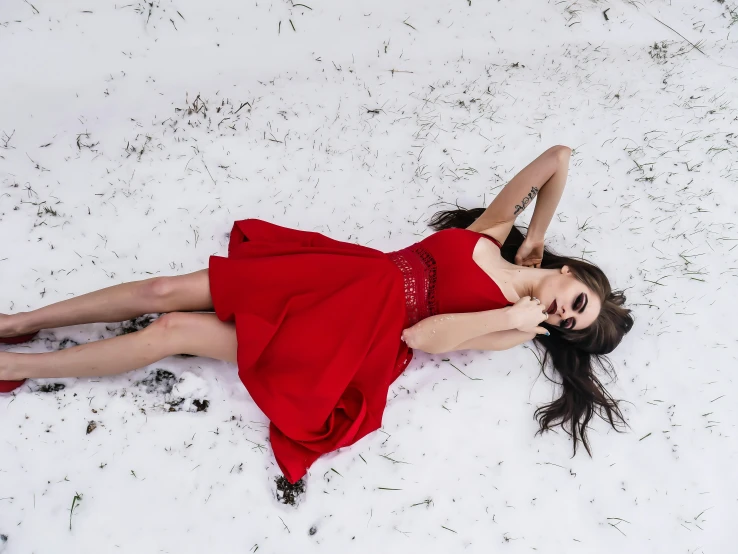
(133, 135)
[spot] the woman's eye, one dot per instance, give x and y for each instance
(579, 300)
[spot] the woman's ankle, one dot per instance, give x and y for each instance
(15, 324)
(8, 369)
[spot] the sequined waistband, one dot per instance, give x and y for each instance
(418, 269)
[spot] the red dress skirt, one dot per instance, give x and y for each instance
(318, 323)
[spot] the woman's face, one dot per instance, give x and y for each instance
(570, 303)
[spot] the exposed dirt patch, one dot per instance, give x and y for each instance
(161, 383)
(51, 387)
(133, 325)
(287, 493)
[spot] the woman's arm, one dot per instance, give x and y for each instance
(544, 177)
(500, 340)
(444, 333)
(549, 196)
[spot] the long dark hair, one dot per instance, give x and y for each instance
(573, 354)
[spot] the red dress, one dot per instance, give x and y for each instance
(319, 323)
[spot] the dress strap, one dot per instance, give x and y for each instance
(490, 238)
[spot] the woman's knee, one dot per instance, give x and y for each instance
(160, 288)
(173, 322)
(197, 334)
(188, 292)
(172, 331)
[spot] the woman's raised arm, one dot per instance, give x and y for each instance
(544, 177)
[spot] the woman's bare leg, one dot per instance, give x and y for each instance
(173, 333)
(190, 292)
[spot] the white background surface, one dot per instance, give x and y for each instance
(465, 97)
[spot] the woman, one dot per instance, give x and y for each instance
(321, 328)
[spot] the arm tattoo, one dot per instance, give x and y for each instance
(526, 200)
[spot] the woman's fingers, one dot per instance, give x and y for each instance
(542, 331)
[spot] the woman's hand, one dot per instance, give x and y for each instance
(530, 253)
(526, 315)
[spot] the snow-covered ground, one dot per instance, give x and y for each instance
(133, 135)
